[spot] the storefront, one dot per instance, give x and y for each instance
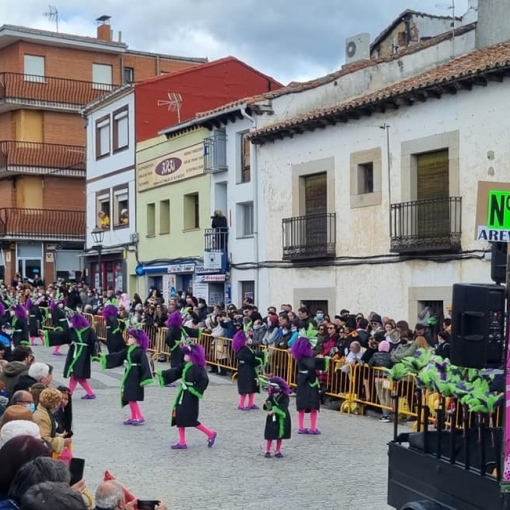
(211, 287)
(111, 275)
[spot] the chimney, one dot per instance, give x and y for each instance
(104, 30)
(493, 26)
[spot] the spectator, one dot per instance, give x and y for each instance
(54, 495)
(17, 428)
(14, 454)
(22, 358)
(23, 398)
(49, 400)
(443, 344)
(13, 413)
(37, 373)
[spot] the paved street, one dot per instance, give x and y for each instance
(345, 468)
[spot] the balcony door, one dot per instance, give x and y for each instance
(316, 207)
(433, 191)
(30, 260)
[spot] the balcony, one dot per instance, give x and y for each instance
(312, 236)
(31, 158)
(42, 225)
(426, 225)
(21, 90)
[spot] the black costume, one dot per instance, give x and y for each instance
(35, 320)
(20, 333)
(83, 346)
(59, 320)
(194, 382)
(137, 373)
(247, 375)
(173, 340)
(308, 387)
(115, 335)
(278, 424)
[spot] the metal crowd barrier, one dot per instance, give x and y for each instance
(358, 387)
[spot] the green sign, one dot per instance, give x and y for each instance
(498, 214)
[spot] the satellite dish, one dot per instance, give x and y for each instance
(351, 49)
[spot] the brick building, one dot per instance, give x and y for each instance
(46, 79)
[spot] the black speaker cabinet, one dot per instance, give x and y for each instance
(478, 325)
(498, 262)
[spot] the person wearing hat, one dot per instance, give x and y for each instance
(124, 217)
(376, 322)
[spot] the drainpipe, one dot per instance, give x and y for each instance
(255, 175)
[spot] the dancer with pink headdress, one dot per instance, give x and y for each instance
(249, 363)
(308, 398)
(137, 373)
(194, 382)
(83, 348)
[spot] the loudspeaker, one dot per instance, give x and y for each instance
(478, 325)
(498, 262)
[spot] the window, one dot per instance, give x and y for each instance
(34, 68)
(120, 206)
(191, 211)
(129, 75)
(102, 137)
(151, 220)
(103, 209)
(215, 152)
(248, 291)
(164, 217)
(365, 178)
(245, 158)
(245, 219)
(120, 129)
(101, 77)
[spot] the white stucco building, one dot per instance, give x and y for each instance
(370, 180)
(111, 152)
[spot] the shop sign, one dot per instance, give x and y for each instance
(210, 278)
(493, 212)
(181, 268)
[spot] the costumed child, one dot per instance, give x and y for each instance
(83, 347)
(137, 372)
(114, 329)
(278, 422)
(173, 338)
(20, 333)
(34, 319)
(58, 319)
(194, 382)
(249, 363)
(308, 399)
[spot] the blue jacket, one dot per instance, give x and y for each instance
(8, 504)
(6, 342)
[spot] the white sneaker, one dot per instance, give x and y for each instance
(384, 419)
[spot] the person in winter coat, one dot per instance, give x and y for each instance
(278, 422)
(308, 389)
(382, 358)
(114, 329)
(22, 358)
(443, 344)
(248, 372)
(194, 382)
(137, 373)
(83, 347)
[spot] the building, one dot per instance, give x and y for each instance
(150, 106)
(46, 79)
(175, 174)
(382, 185)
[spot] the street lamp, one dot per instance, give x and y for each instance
(97, 237)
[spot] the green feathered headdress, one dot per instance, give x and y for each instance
(310, 333)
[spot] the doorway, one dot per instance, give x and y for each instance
(28, 268)
(29, 260)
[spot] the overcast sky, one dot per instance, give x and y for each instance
(287, 39)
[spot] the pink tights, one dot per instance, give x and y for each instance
(313, 419)
(83, 383)
(136, 413)
(269, 443)
(56, 349)
(251, 400)
(182, 432)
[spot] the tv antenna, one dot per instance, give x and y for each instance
(174, 103)
(52, 14)
(450, 7)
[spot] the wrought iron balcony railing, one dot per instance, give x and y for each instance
(216, 239)
(426, 225)
(48, 91)
(42, 158)
(42, 224)
(309, 237)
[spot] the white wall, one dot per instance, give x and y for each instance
(96, 169)
(480, 116)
